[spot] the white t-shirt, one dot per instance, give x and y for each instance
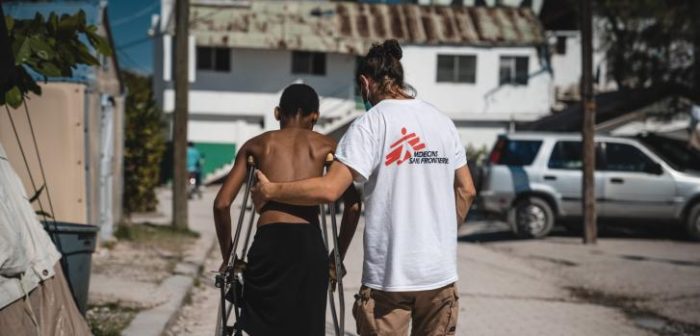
(407, 152)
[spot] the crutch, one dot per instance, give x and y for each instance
(231, 280)
(338, 323)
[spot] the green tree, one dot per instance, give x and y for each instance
(50, 47)
(651, 42)
(144, 145)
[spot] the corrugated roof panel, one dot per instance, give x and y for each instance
(397, 22)
(467, 30)
(488, 28)
(380, 23)
(432, 34)
(347, 27)
(508, 31)
(447, 24)
(416, 32)
(528, 25)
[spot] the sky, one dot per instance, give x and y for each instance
(130, 20)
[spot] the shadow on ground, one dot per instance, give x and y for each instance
(479, 229)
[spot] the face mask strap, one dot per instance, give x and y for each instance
(365, 100)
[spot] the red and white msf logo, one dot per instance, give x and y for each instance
(403, 149)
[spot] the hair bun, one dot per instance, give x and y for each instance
(393, 49)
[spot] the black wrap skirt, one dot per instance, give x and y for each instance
(286, 281)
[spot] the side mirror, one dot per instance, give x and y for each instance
(655, 169)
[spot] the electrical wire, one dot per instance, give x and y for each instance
(38, 157)
(134, 42)
(132, 17)
(26, 165)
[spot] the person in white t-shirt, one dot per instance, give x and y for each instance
(417, 189)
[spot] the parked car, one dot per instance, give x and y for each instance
(534, 179)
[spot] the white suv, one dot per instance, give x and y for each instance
(533, 179)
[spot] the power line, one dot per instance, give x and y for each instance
(134, 43)
(131, 61)
(26, 165)
(131, 17)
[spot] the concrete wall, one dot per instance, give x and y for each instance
(567, 67)
(485, 99)
(58, 118)
(67, 120)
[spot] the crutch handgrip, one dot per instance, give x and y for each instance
(251, 161)
(329, 159)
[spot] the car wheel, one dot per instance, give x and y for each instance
(693, 223)
(531, 217)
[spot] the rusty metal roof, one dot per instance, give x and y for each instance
(350, 27)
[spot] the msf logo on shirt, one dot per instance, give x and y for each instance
(403, 149)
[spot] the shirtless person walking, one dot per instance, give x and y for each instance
(286, 279)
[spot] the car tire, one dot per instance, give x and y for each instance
(531, 217)
(692, 225)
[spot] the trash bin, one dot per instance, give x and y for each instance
(76, 242)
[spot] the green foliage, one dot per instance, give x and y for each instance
(651, 42)
(51, 47)
(144, 145)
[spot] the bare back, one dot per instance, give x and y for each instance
(286, 155)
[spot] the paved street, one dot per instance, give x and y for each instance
(555, 286)
(649, 273)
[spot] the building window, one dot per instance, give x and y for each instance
(215, 59)
(456, 68)
(513, 70)
(308, 63)
(560, 46)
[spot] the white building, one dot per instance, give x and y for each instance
(485, 67)
(560, 19)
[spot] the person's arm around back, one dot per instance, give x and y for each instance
(353, 208)
(465, 193)
(313, 191)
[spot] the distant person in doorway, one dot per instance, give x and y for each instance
(286, 280)
(417, 189)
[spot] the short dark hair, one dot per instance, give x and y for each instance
(298, 98)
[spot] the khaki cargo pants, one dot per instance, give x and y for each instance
(432, 312)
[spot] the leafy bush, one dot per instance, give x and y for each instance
(144, 145)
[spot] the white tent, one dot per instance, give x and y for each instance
(34, 295)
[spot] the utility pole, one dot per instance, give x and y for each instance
(180, 174)
(590, 229)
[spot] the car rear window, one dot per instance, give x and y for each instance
(515, 152)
